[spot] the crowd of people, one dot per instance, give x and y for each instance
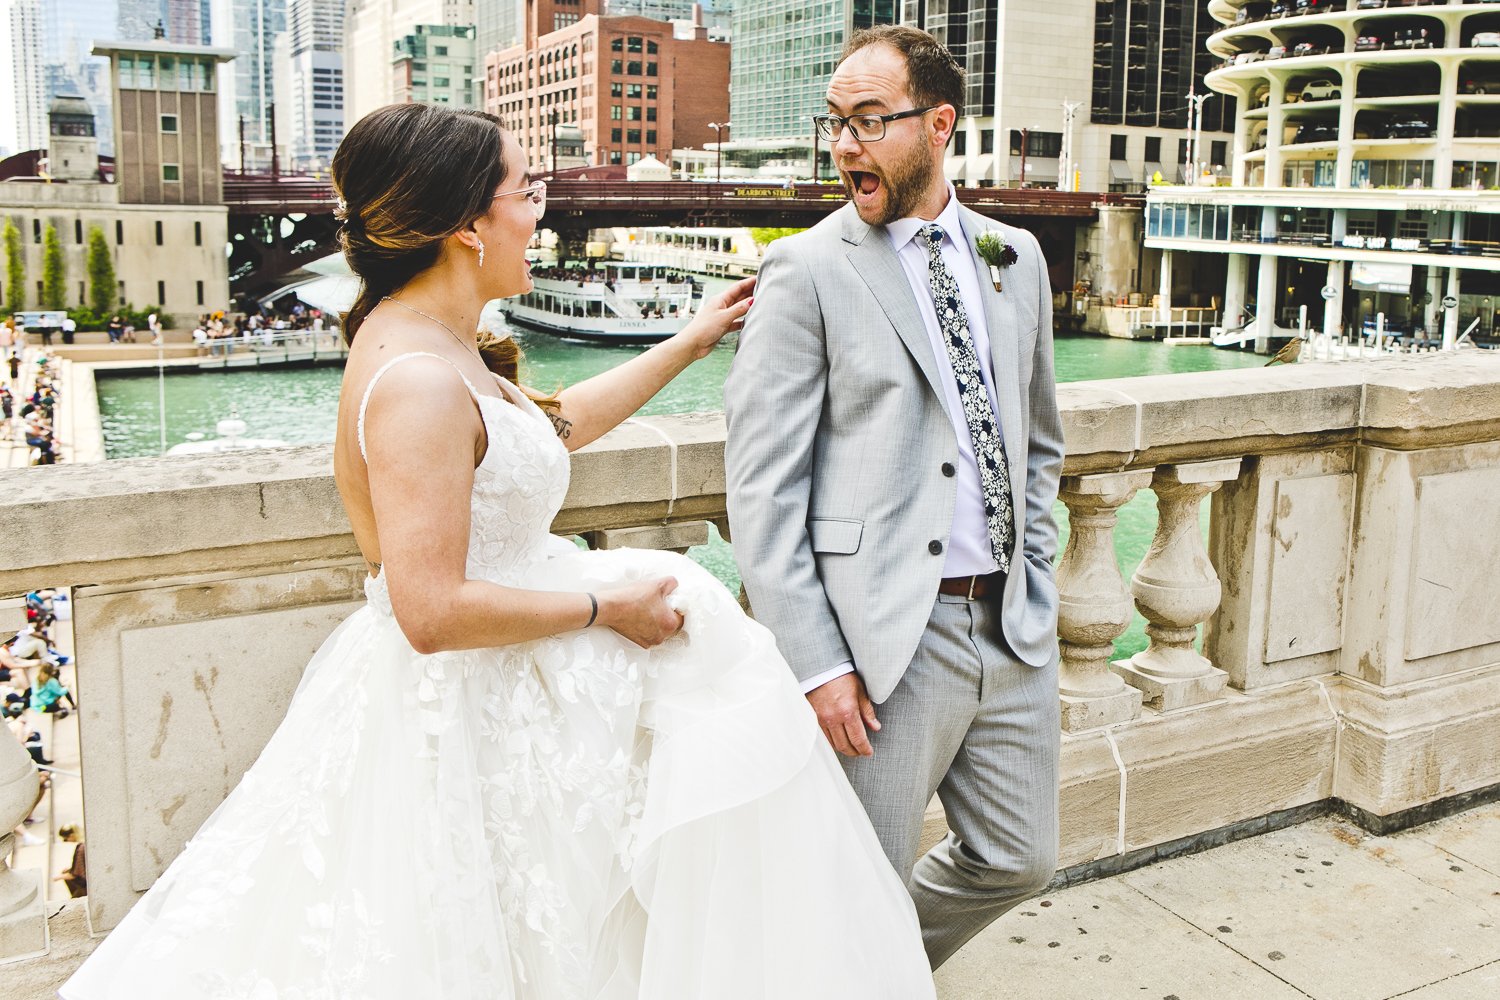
(217, 333)
(32, 689)
(28, 416)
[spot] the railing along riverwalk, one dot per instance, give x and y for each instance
(1332, 642)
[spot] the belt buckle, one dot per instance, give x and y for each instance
(972, 581)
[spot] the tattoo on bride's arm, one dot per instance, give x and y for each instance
(561, 424)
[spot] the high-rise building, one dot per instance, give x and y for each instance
(68, 29)
(1364, 177)
(247, 88)
(310, 82)
(23, 102)
(435, 65)
(1085, 96)
(785, 52)
(632, 86)
(497, 25)
(372, 30)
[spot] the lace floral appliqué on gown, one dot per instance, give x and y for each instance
(568, 818)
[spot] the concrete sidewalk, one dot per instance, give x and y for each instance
(1321, 911)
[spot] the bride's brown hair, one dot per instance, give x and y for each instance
(408, 176)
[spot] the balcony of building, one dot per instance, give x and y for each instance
(1318, 598)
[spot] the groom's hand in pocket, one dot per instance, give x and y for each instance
(844, 711)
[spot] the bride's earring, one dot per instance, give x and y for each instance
(481, 253)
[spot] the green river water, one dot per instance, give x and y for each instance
(299, 406)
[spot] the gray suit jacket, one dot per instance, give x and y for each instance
(839, 509)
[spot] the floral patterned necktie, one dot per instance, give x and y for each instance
(994, 473)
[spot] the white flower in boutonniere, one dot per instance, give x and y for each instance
(995, 252)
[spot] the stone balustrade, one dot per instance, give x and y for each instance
(1349, 649)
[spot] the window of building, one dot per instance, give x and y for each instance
(1153, 149)
(986, 141)
(651, 49)
(1218, 151)
(618, 45)
(958, 143)
(440, 81)
(158, 233)
(1119, 146)
(633, 91)
(200, 293)
(633, 113)
(171, 172)
(614, 157)
(632, 69)
(440, 50)
(122, 293)
(650, 91)
(651, 69)
(632, 137)
(119, 232)
(614, 135)
(633, 45)
(650, 137)
(651, 113)
(78, 232)
(615, 112)
(36, 230)
(169, 124)
(161, 293)
(197, 234)
(632, 157)
(1038, 143)
(616, 89)
(615, 66)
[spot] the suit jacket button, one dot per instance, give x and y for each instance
(935, 547)
(949, 470)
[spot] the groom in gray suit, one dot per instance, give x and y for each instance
(893, 457)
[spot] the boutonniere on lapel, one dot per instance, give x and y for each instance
(995, 252)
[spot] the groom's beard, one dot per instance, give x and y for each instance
(904, 183)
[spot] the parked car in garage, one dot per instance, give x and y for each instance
(1368, 43)
(1486, 40)
(1316, 132)
(1409, 128)
(1319, 90)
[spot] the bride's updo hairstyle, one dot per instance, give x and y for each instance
(407, 177)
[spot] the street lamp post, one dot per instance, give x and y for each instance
(719, 128)
(553, 122)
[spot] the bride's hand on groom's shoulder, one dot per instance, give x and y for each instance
(719, 315)
(641, 612)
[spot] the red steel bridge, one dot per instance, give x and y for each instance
(277, 223)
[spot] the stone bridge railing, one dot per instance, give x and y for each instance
(1350, 653)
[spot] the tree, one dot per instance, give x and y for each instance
(101, 269)
(54, 271)
(15, 269)
(765, 236)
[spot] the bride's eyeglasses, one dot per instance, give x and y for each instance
(535, 193)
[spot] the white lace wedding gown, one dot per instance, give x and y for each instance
(573, 817)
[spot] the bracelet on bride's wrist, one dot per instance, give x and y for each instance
(593, 610)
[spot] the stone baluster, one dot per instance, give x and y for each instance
(23, 920)
(1093, 604)
(1176, 588)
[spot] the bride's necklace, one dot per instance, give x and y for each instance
(468, 348)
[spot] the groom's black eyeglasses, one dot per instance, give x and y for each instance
(866, 128)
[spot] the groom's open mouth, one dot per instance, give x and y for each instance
(864, 186)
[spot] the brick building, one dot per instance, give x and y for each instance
(631, 85)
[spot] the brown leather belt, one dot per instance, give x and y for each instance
(972, 587)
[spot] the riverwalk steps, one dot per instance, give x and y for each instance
(1347, 657)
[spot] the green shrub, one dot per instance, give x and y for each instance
(101, 270)
(54, 271)
(15, 269)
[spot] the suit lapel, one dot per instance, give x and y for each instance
(1005, 344)
(875, 261)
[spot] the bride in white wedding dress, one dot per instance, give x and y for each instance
(522, 771)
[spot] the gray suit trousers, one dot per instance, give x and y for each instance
(980, 728)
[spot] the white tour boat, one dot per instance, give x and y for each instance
(615, 302)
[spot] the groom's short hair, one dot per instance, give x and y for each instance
(933, 76)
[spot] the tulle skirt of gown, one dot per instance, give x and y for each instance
(568, 818)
